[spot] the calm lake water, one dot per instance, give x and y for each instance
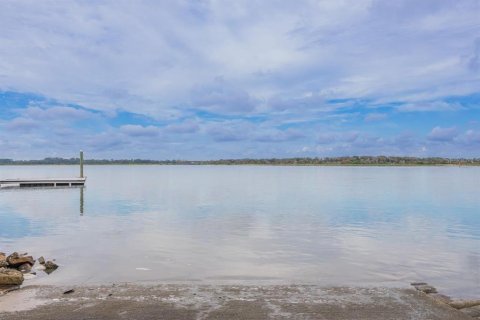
(355, 226)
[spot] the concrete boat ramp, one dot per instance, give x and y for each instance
(132, 301)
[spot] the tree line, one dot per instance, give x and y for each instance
(345, 161)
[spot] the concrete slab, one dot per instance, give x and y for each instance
(129, 301)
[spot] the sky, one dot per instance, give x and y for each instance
(239, 79)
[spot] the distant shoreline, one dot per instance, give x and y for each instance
(332, 161)
(252, 165)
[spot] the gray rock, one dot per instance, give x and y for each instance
(473, 312)
(25, 268)
(418, 283)
(41, 260)
(440, 298)
(50, 266)
(29, 276)
(10, 277)
(460, 304)
(3, 260)
(426, 288)
(15, 260)
(5, 288)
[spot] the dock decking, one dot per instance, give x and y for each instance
(49, 182)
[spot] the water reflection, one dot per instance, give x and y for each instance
(81, 200)
(332, 226)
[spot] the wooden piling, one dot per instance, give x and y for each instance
(81, 164)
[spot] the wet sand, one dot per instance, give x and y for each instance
(129, 301)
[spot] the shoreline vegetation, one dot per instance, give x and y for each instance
(327, 161)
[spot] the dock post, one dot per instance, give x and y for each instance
(81, 201)
(81, 164)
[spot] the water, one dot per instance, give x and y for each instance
(355, 226)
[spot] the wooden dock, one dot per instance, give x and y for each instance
(41, 183)
(48, 182)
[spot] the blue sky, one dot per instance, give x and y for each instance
(236, 79)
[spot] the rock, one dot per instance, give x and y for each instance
(10, 277)
(29, 276)
(39, 267)
(473, 312)
(4, 289)
(50, 266)
(426, 288)
(440, 298)
(460, 304)
(3, 260)
(25, 268)
(41, 260)
(15, 260)
(418, 284)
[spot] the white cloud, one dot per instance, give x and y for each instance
(148, 56)
(56, 113)
(443, 134)
(185, 127)
(375, 116)
(201, 74)
(430, 106)
(22, 124)
(472, 137)
(140, 131)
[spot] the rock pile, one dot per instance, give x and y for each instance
(15, 268)
(10, 277)
(468, 307)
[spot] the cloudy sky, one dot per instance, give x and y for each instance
(235, 79)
